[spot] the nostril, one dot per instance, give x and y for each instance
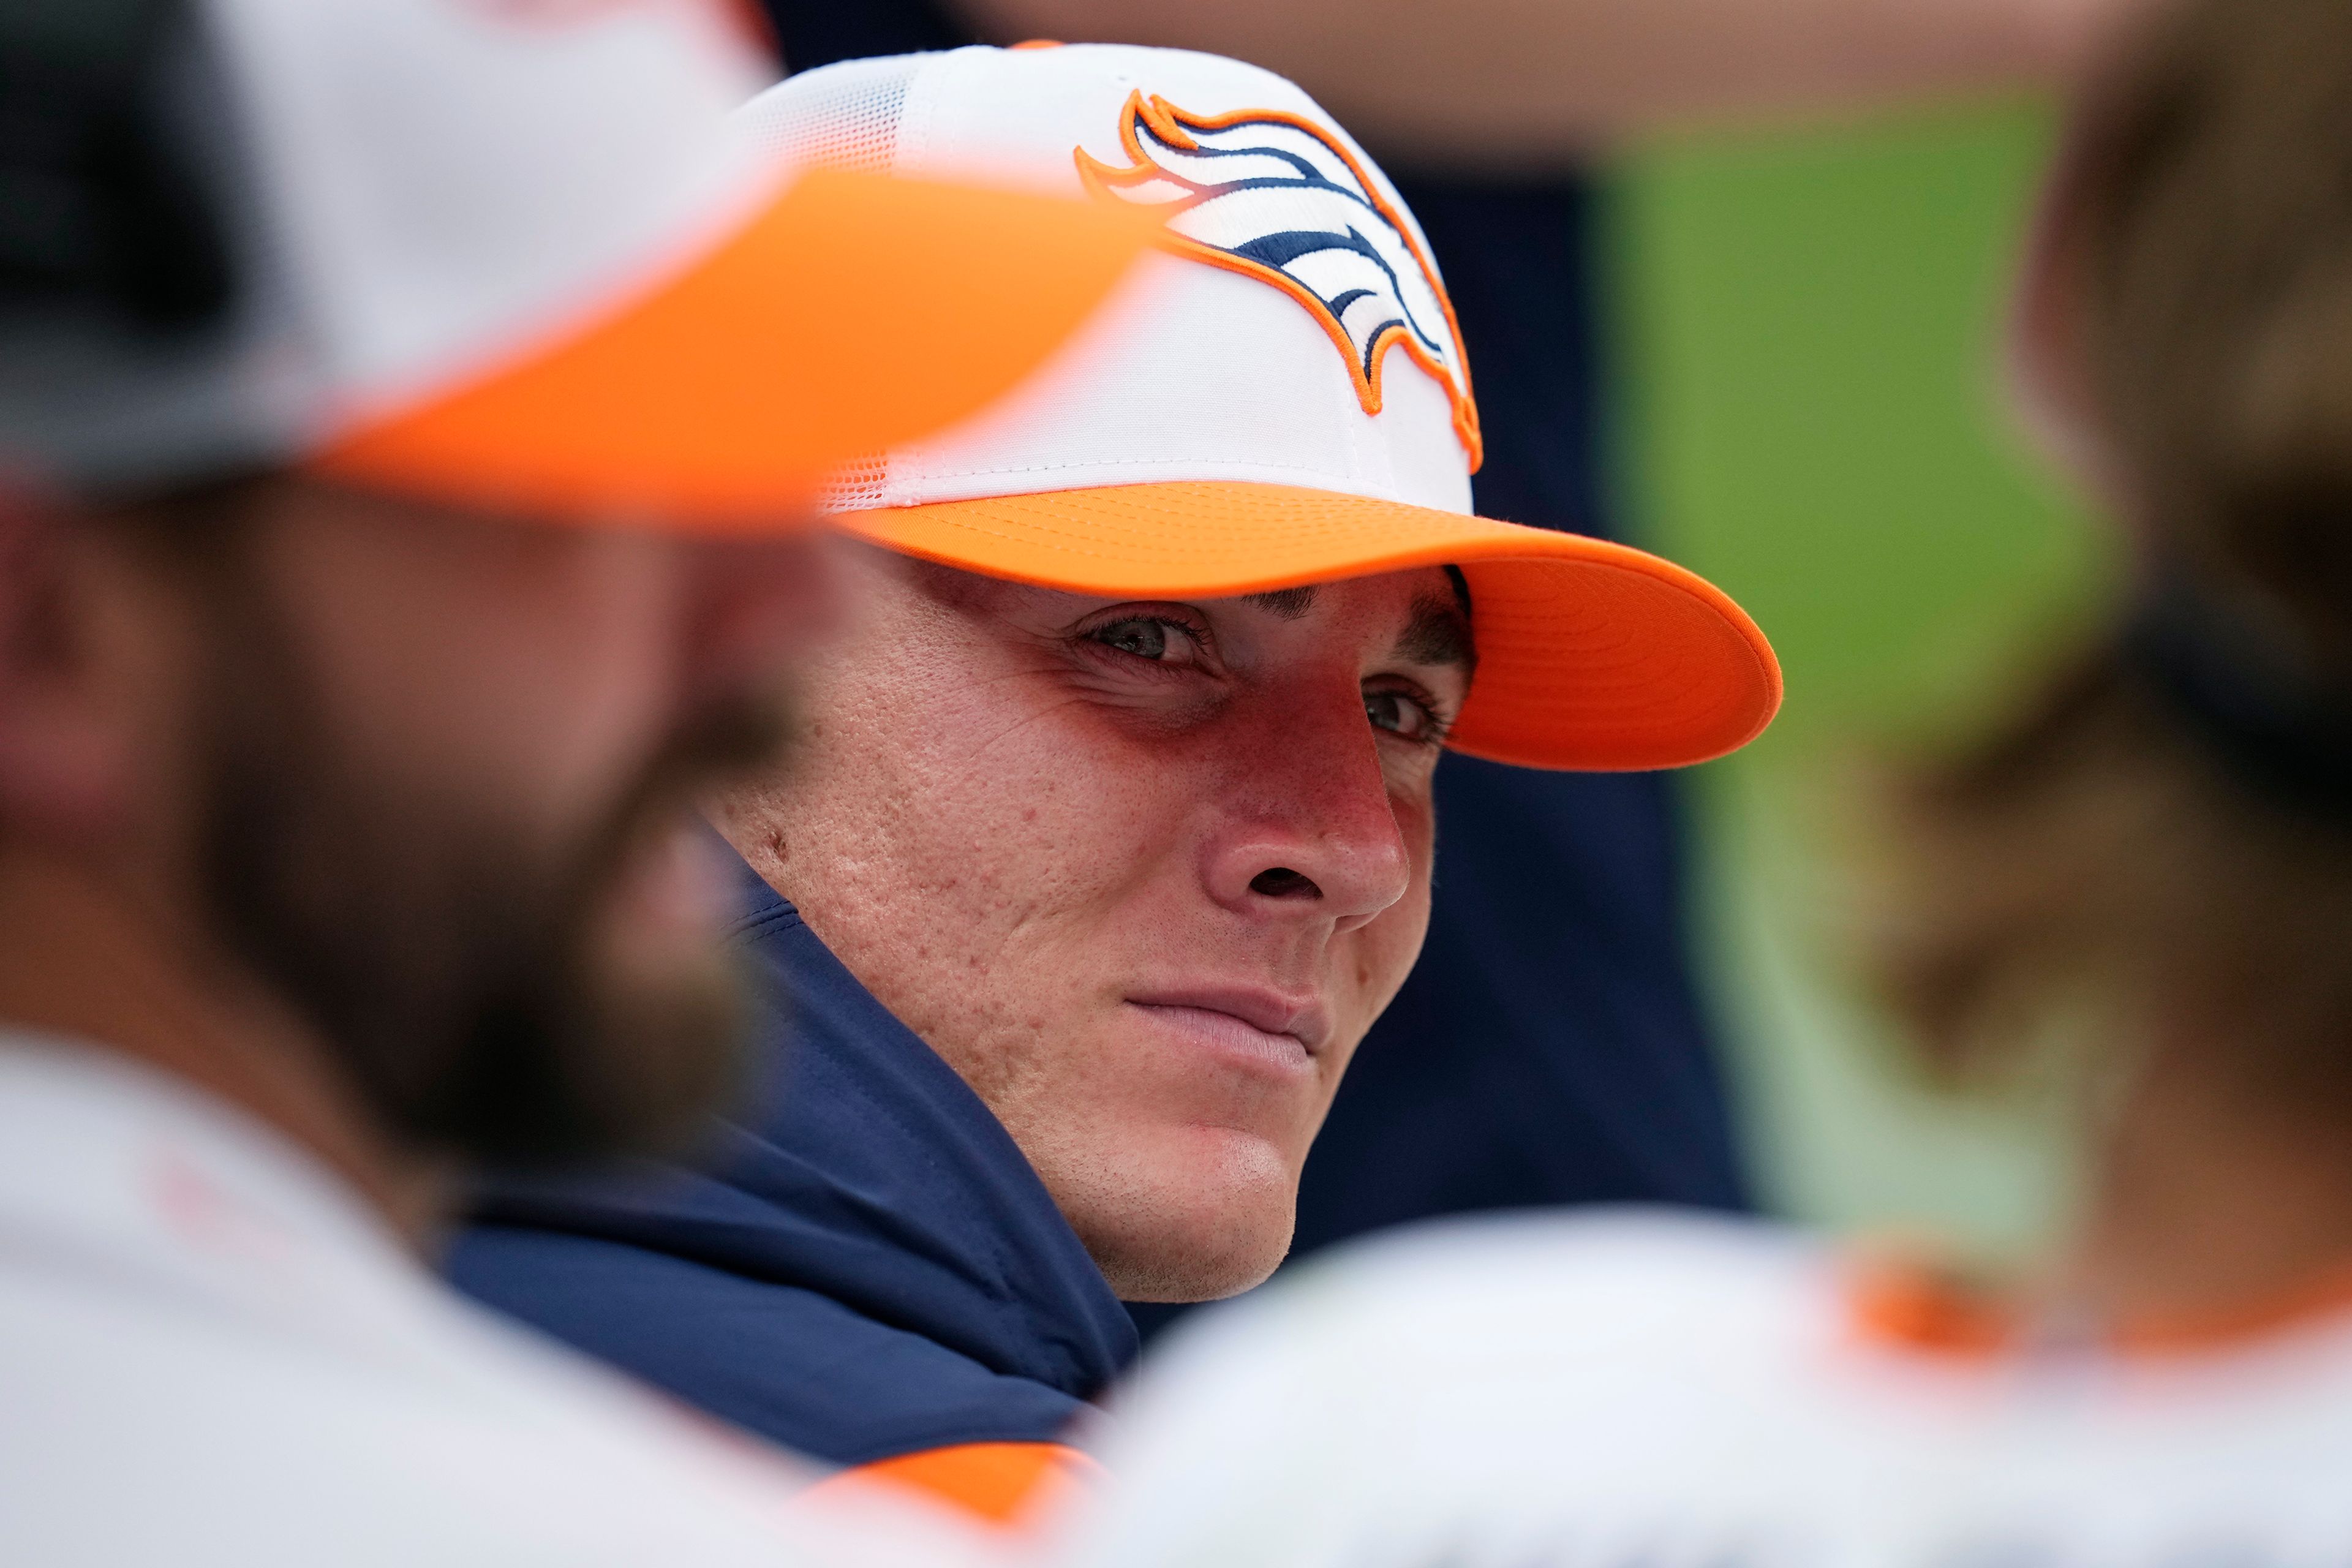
(1281, 882)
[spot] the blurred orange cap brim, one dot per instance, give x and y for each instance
(854, 312)
(1591, 656)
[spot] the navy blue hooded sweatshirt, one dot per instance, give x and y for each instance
(869, 1269)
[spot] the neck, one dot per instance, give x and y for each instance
(2210, 1207)
(84, 957)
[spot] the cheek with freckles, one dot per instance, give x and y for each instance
(1057, 864)
(979, 857)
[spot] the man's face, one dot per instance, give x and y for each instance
(439, 794)
(1143, 873)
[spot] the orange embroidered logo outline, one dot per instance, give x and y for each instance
(1175, 128)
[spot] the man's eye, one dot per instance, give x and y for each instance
(1143, 638)
(1400, 714)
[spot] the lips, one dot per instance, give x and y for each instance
(1267, 1014)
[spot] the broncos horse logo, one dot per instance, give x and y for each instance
(1275, 197)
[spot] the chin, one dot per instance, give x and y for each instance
(1206, 1220)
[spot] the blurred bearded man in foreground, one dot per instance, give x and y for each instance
(381, 576)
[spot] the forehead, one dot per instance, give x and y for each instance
(1429, 604)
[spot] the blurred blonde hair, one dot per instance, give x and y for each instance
(2112, 849)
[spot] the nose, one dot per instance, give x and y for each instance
(764, 606)
(1310, 832)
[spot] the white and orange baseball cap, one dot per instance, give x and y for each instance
(1288, 403)
(511, 254)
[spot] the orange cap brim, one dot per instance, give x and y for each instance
(1590, 655)
(852, 314)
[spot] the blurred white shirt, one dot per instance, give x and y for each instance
(1654, 1392)
(211, 1352)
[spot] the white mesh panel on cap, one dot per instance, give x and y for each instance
(842, 116)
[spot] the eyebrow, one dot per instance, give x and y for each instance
(1438, 633)
(1289, 604)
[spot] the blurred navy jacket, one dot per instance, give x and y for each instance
(871, 1269)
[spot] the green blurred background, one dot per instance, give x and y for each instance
(1808, 342)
